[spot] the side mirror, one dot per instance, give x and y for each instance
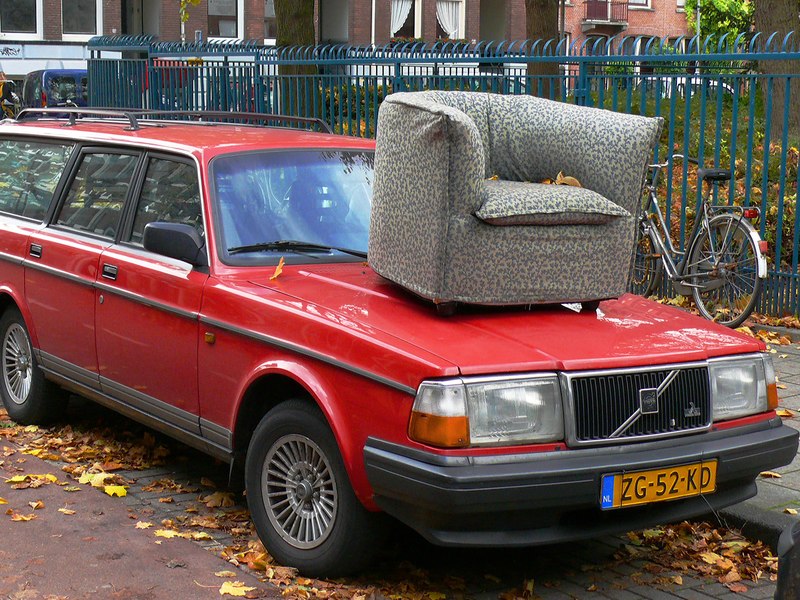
(175, 240)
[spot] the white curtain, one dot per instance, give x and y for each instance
(400, 10)
(447, 12)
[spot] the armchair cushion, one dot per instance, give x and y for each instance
(522, 203)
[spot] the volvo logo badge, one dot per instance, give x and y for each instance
(648, 404)
(648, 401)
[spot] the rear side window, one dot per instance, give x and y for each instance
(29, 173)
(170, 193)
(97, 193)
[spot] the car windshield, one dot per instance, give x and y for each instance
(318, 199)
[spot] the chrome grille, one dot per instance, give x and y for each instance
(603, 403)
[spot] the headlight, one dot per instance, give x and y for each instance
(475, 412)
(742, 386)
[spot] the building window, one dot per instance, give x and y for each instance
(20, 18)
(449, 19)
(79, 17)
(406, 19)
(224, 18)
(270, 22)
(639, 3)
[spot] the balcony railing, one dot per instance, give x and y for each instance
(603, 11)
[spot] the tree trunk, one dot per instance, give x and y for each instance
(780, 16)
(541, 23)
(295, 20)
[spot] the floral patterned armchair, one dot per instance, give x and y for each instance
(459, 214)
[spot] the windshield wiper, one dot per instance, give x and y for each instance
(294, 246)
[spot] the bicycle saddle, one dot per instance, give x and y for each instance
(711, 174)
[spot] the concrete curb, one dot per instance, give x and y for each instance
(756, 522)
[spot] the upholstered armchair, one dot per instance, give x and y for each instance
(460, 214)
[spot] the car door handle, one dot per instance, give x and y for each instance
(35, 250)
(109, 271)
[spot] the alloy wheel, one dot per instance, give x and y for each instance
(299, 491)
(17, 364)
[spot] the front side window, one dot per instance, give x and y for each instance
(314, 197)
(79, 17)
(20, 16)
(223, 18)
(170, 193)
(97, 193)
(29, 173)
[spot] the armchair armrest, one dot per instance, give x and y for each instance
(442, 137)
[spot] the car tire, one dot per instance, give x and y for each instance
(300, 498)
(27, 396)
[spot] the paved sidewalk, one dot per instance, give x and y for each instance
(85, 545)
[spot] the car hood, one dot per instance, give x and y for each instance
(629, 331)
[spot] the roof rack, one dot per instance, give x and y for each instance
(135, 115)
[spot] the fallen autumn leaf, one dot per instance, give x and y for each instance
(219, 500)
(278, 270)
(234, 588)
(115, 490)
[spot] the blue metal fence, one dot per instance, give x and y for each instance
(721, 99)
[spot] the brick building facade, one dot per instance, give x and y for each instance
(53, 33)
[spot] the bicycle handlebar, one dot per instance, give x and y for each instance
(690, 159)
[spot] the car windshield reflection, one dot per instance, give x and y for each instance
(319, 197)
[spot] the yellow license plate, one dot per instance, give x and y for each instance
(642, 487)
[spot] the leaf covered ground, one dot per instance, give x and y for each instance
(101, 454)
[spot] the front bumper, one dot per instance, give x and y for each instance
(542, 498)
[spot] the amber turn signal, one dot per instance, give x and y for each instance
(772, 396)
(443, 432)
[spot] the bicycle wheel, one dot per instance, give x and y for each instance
(725, 269)
(647, 267)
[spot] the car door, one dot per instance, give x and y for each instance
(148, 305)
(30, 171)
(62, 262)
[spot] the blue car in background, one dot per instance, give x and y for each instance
(55, 87)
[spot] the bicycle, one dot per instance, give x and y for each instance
(725, 262)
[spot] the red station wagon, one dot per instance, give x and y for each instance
(210, 280)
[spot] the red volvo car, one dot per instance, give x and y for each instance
(210, 280)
